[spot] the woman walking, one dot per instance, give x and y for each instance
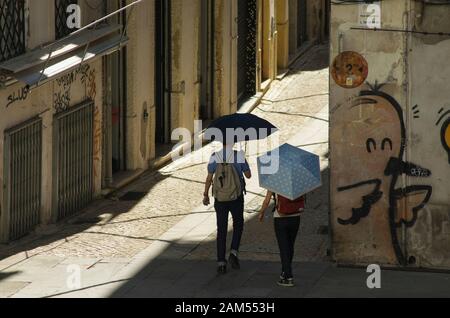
(287, 224)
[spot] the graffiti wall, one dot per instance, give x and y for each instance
(430, 143)
(81, 84)
(390, 143)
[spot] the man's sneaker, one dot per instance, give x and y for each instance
(286, 282)
(222, 269)
(234, 261)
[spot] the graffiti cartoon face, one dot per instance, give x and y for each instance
(365, 134)
(368, 142)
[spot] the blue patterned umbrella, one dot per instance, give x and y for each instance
(289, 171)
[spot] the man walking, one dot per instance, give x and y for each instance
(226, 171)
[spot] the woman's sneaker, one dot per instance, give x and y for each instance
(234, 261)
(222, 269)
(286, 282)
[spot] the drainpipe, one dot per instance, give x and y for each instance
(341, 42)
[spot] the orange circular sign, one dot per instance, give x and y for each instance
(350, 69)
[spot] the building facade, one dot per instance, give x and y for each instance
(389, 131)
(83, 111)
(63, 113)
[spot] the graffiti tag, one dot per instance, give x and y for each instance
(19, 95)
(62, 100)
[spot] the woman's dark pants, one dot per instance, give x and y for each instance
(236, 208)
(286, 230)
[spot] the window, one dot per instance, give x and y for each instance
(12, 29)
(61, 15)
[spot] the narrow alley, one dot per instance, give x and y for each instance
(111, 234)
(153, 238)
(112, 115)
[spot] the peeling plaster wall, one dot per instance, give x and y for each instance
(58, 95)
(390, 199)
(225, 77)
(77, 86)
(369, 239)
(40, 33)
(282, 9)
(186, 79)
(185, 75)
(219, 86)
(429, 73)
(140, 145)
(37, 102)
(46, 101)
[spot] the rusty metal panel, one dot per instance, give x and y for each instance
(22, 177)
(73, 160)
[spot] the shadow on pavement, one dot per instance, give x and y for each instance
(188, 269)
(99, 213)
(198, 279)
(309, 64)
(4, 276)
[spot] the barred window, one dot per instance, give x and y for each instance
(61, 16)
(12, 29)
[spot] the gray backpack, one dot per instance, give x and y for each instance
(227, 183)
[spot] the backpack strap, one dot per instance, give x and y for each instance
(244, 183)
(274, 196)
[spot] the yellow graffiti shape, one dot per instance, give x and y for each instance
(447, 136)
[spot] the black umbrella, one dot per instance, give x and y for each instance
(239, 127)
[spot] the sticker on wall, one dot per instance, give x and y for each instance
(350, 70)
(370, 15)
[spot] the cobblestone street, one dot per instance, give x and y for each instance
(115, 230)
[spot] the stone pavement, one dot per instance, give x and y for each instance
(196, 279)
